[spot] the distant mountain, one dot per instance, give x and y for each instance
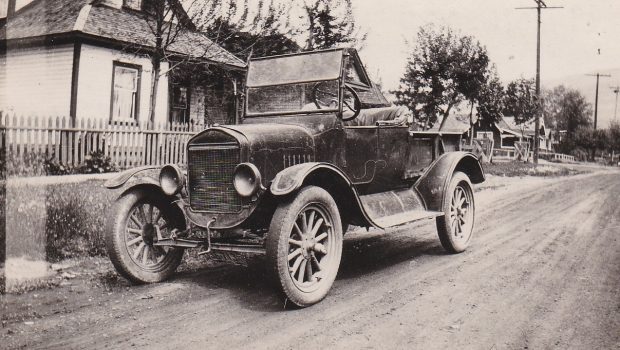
(587, 86)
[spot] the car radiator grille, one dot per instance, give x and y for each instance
(210, 173)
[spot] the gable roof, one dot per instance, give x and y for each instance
(44, 18)
(454, 124)
(509, 125)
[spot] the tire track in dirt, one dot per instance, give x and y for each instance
(543, 271)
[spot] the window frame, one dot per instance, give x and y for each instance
(480, 135)
(136, 107)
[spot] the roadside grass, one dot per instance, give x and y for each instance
(57, 221)
(519, 169)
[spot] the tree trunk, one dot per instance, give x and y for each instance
(446, 114)
(471, 124)
(154, 87)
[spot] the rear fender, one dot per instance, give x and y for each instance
(433, 184)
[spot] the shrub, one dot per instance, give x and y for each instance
(54, 167)
(97, 162)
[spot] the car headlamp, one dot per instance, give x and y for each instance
(247, 179)
(171, 179)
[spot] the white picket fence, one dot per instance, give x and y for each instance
(69, 141)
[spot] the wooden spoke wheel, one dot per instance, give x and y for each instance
(133, 227)
(456, 227)
(304, 246)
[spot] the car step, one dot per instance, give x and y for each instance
(406, 217)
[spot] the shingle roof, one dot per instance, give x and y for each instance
(49, 17)
(454, 124)
(509, 124)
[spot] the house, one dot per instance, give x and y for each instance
(455, 128)
(506, 132)
(90, 59)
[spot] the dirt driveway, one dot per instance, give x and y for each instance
(543, 272)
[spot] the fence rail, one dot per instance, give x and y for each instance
(68, 142)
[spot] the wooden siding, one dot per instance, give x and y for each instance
(37, 80)
(95, 84)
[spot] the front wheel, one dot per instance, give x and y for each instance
(455, 228)
(304, 246)
(132, 229)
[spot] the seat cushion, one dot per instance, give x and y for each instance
(370, 116)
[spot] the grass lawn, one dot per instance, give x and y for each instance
(518, 169)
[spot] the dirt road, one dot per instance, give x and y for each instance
(543, 272)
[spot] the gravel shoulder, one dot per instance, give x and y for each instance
(543, 272)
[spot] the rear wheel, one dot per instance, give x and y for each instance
(132, 229)
(456, 227)
(304, 246)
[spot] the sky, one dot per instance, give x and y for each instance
(571, 39)
(582, 38)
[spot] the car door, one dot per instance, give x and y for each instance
(392, 155)
(361, 163)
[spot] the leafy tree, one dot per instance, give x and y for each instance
(521, 101)
(566, 109)
(491, 100)
(443, 70)
(330, 23)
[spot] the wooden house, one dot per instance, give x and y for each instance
(90, 59)
(506, 132)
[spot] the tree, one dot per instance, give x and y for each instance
(330, 23)
(521, 101)
(491, 100)
(443, 70)
(273, 38)
(566, 109)
(171, 21)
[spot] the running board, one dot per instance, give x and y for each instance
(406, 217)
(397, 207)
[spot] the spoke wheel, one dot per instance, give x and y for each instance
(304, 246)
(455, 228)
(133, 228)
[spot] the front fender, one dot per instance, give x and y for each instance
(135, 176)
(433, 184)
(292, 178)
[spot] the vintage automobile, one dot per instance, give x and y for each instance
(318, 149)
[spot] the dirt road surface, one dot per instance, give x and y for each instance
(543, 272)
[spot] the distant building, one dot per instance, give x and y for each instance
(89, 59)
(506, 132)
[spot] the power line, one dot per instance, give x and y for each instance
(598, 76)
(540, 5)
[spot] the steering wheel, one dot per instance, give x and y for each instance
(353, 103)
(319, 95)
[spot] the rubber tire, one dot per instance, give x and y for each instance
(114, 237)
(443, 226)
(277, 245)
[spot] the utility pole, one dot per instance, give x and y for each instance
(616, 90)
(540, 5)
(598, 76)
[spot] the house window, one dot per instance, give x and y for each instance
(179, 107)
(484, 135)
(134, 4)
(125, 92)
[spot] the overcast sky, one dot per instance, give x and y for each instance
(571, 37)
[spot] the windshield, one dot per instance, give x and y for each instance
(303, 97)
(282, 70)
(296, 83)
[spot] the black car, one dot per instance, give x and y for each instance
(319, 149)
